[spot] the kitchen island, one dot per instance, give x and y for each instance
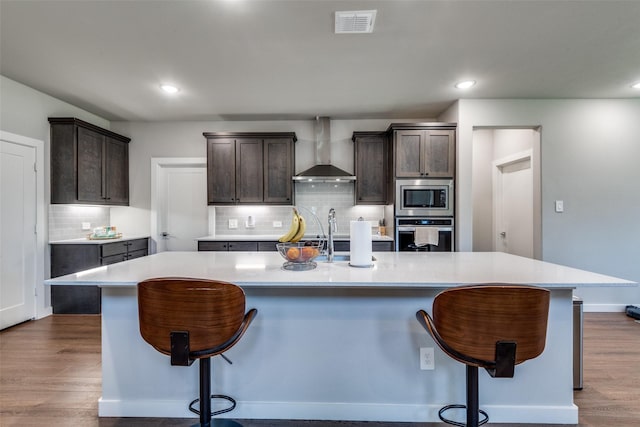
(336, 342)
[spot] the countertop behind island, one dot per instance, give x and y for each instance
(273, 237)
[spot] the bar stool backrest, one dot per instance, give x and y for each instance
(211, 311)
(471, 319)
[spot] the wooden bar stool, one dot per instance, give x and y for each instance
(191, 319)
(493, 326)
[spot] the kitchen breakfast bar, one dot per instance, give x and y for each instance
(336, 342)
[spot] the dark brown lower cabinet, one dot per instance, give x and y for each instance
(71, 258)
(228, 246)
(345, 246)
(264, 246)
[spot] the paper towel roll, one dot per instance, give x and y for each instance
(361, 246)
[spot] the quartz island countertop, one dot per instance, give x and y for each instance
(395, 269)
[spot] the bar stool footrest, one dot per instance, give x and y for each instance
(456, 423)
(214, 396)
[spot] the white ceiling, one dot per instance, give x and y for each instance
(250, 59)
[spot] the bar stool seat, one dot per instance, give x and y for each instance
(191, 319)
(492, 326)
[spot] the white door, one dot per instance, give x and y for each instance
(17, 233)
(181, 204)
(513, 209)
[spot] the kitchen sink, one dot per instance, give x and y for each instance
(338, 257)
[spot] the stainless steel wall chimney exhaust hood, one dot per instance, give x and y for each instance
(323, 171)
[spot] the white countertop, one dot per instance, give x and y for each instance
(85, 241)
(390, 270)
(274, 237)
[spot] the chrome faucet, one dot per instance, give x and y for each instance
(333, 227)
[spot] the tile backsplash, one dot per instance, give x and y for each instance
(65, 221)
(310, 197)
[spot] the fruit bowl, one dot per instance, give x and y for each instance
(300, 255)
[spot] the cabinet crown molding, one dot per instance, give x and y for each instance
(214, 135)
(74, 121)
(426, 125)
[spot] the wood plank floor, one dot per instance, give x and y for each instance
(50, 375)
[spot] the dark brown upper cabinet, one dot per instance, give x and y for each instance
(250, 167)
(372, 168)
(278, 170)
(89, 165)
(424, 150)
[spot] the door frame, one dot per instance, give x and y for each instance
(497, 166)
(42, 293)
(157, 166)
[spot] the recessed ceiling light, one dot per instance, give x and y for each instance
(169, 88)
(465, 84)
(636, 85)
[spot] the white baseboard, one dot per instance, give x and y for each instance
(48, 311)
(338, 411)
(605, 308)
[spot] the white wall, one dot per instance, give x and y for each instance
(482, 191)
(24, 111)
(589, 159)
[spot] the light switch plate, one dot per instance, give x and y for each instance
(559, 205)
(233, 223)
(86, 226)
(277, 224)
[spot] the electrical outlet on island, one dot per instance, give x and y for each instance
(427, 359)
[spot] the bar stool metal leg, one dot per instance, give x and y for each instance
(472, 396)
(205, 392)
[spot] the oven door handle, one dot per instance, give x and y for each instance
(441, 228)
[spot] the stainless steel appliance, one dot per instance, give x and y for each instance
(424, 197)
(406, 232)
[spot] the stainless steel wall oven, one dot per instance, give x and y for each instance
(408, 228)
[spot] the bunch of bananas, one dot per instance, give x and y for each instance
(297, 229)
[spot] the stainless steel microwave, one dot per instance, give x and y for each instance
(424, 197)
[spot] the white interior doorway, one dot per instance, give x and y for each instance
(22, 293)
(506, 191)
(179, 211)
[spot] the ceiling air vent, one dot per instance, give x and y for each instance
(355, 21)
